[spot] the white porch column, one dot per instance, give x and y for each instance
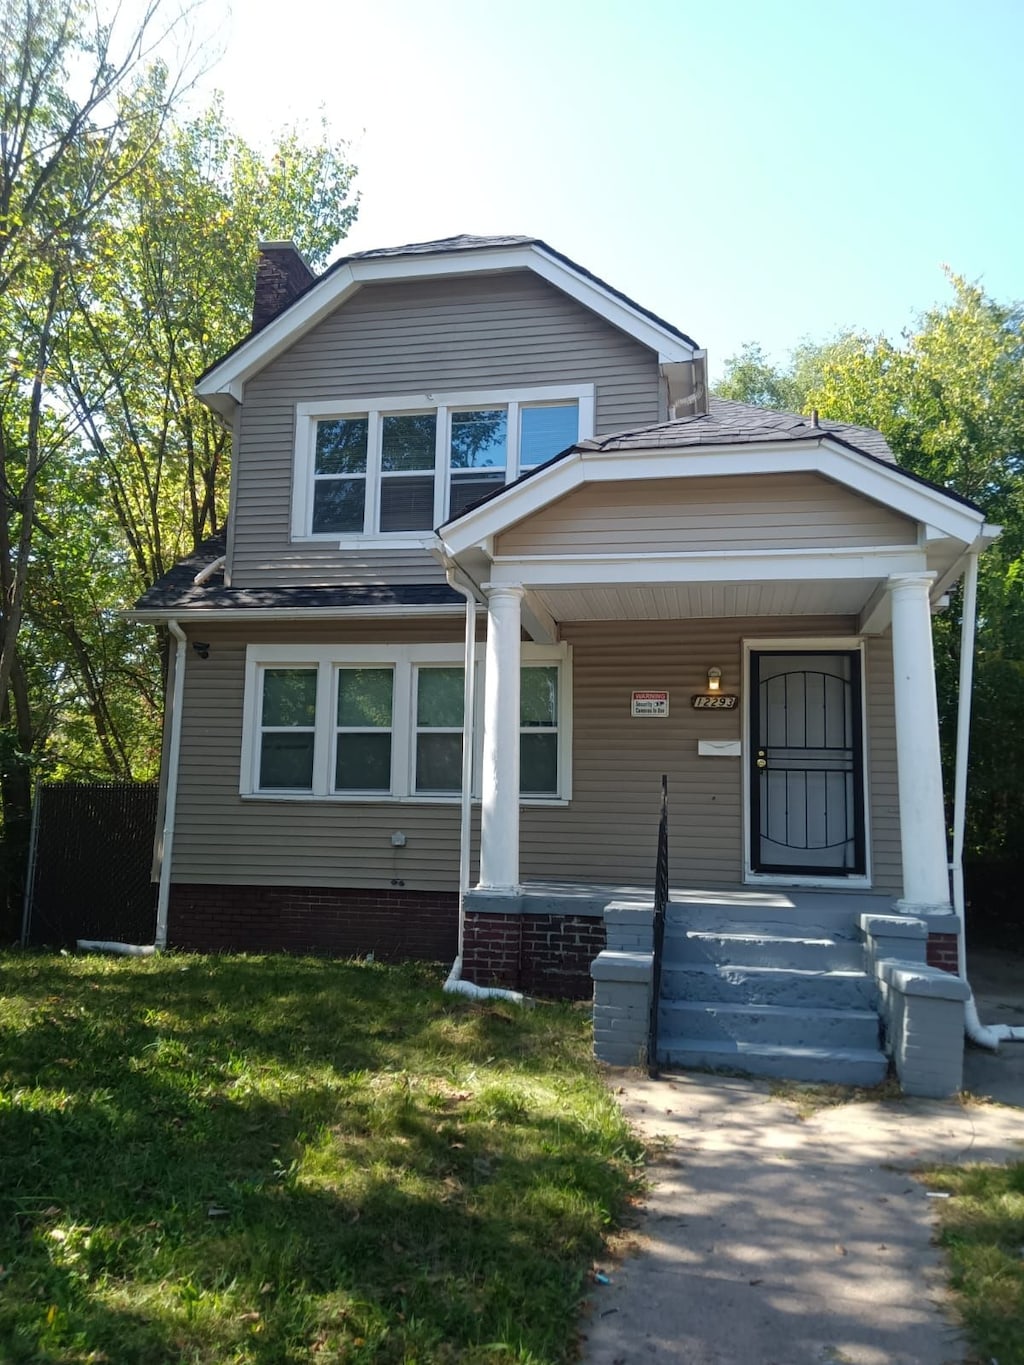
(918, 761)
(499, 803)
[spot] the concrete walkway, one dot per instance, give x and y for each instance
(771, 1240)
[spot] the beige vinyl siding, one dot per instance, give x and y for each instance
(221, 837)
(423, 337)
(606, 834)
(756, 512)
(609, 832)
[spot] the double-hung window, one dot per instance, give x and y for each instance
(362, 747)
(369, 723)
(398, 467)
(287, 728)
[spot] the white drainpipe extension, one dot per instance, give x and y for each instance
(983, 1035)
(455, 984)
(171, 792)
(204, 575)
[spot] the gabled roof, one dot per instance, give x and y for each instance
(221, 386)
(788, 441)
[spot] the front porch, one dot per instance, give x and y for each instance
(811, 984)
(544, 939)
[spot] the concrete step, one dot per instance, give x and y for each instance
(774, 1025)
(836, 1066)
(784, 986)
(761, 950)
(805, 924)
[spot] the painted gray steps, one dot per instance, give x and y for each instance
(761, 950)
(713, 919)
(836, 1066)
(777, 1025)
(746, 985)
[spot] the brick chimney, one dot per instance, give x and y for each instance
(281, 276)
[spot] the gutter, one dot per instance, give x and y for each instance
(977, 1032)
(462, 584)
(171, 793)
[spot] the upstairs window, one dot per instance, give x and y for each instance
(395, 468)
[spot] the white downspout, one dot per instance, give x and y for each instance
(455, 984)
(204, 575)
(171, 793)
(978, 1032)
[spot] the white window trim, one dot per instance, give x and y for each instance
(308, 414)
(327, 659)
(806, 645)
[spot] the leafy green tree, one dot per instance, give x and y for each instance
(127, 254)
(949, 397)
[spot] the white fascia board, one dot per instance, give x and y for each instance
(229, 377)
(479, 525)
(883, 483)
(871, 479)
(713, 566)
(196, 615)
(618, 312)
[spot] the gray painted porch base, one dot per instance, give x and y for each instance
(771, 990)
(786, 982)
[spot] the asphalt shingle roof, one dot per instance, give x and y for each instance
(730, 423)
(178, 591)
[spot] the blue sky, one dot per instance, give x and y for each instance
(751, 171)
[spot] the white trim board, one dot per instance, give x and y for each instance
(882, 483)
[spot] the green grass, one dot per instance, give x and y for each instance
(982, 1230)
(284, 1160)
(810, 1097)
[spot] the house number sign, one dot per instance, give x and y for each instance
(649, 704)
(713, 701)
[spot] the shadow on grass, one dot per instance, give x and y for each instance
(289, 1161)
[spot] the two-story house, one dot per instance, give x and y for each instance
(495, 562)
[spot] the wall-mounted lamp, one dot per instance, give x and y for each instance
(714, 679)
(201, 648)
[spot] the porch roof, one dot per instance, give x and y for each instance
(603, 575)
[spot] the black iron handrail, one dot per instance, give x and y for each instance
(660, 904)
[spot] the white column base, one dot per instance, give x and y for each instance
(922, 911)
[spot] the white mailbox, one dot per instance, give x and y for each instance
(718, 748)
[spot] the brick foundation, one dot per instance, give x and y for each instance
(547, 955)
(942, 951)
(336, 921)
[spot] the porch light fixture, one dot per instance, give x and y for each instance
(714, 679)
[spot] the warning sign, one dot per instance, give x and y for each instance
(649, 704)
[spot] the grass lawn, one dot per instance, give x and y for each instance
(278, 1159)
(982, 1230)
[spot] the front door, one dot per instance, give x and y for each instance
(807, 778)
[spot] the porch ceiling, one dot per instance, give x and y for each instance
(677, 601)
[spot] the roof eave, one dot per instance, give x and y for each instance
(548, 484)
(194, 614)
(222, 385)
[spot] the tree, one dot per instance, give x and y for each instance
(127, 253)
(949, 397)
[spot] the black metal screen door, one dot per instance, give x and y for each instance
(807, 779)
